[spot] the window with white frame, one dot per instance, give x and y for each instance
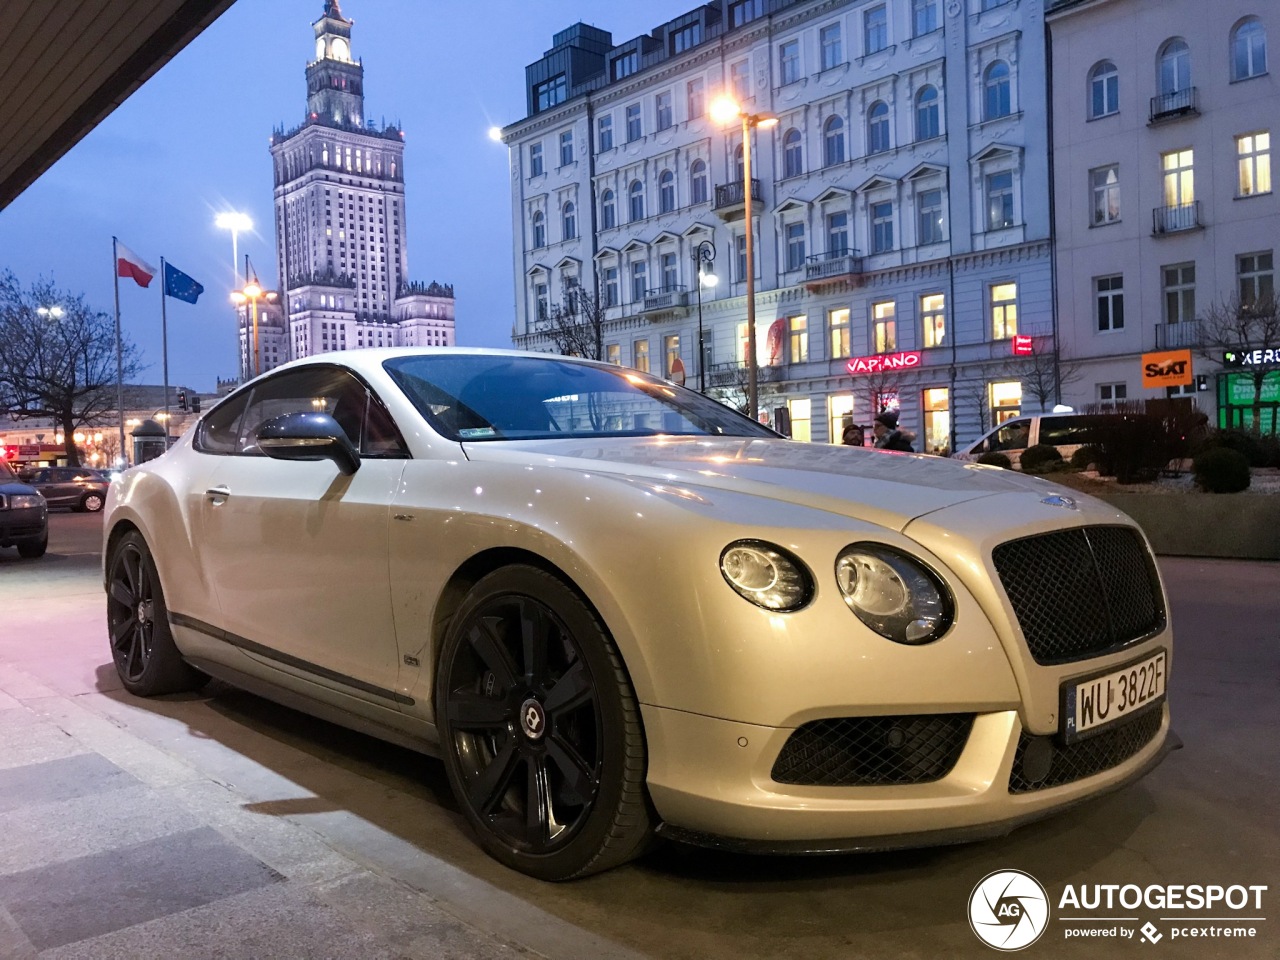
(640, 355)
(1003, 305)
(935, 404)
(1178, 284)
(839, 416)
(924, 17)
(1108, 294)
(838, 328)
(740, 257)
(539, 229)
(635, 200)
(997, 95)
(566, 148)
(794, 233)
(1253, 160)
(1179, 178)
(1248, 49)
(800, 412)
(837, 233)
(740, 80)
(881, 226)
(788, 62)
(792, 158)
(697, 98)
(608, 211)
(833, 141)
(666, 191)
(535, 159)
(634, 129)
(639, 280)
(740, 351)
(1104, 90)
(698, 182)
(662, 109)
(613, 354)
(878, 127)
(610, 284)
(798, 330)
(604, 128)
(671, 349)
(569, 221)
(670, 272)
(930, 216)
(1104, 183)
(1110, 395)
(928, 115)
(1000, 200)
(875, 29)
(1005, 397)
(541, 300)
(884, 326)
(1174, 69)
(829, 42)
(933, 315)
(1255, 278)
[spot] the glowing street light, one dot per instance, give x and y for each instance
(235, 222)
(51, 313)
(251, 294)
(725, 110)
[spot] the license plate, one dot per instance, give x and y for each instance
(1092, 705)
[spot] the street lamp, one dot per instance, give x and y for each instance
(251, 294)
(51, 313)
(724, 110)
(235, 222)
(704, 254)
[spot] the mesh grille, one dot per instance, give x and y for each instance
(870, 751)
(1086, 757)
(1079, 593)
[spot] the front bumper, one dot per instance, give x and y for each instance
(19, 526)
(710, 783)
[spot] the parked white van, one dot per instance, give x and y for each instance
(1066, 431)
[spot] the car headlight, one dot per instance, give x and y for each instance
(767, 575)
(895, 595)
(25, 501)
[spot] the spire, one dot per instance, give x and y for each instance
(332, 10)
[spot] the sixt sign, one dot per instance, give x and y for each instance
(1170, 368)
(884, 361)
(1251, 358)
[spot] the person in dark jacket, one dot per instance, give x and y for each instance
(853, 436)
(888, 436)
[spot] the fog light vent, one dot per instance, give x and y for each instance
(873, 751)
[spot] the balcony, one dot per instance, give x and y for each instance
(731, 201)
(1178, 336)
(735, 374)
(832, 267)
(1173, 106)
(1176, 218)
(661, 302)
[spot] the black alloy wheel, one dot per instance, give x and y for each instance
(540, 728)
(142, 644)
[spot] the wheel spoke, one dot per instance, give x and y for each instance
(120, 593)
(129, 566)
(487, 788)
(535, 631)
(538, 816)
(135, 661)
(578, 777)
(120, 630)
(570, 691)
(471, 710)
(484, 641)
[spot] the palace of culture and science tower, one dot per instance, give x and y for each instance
(340, 226)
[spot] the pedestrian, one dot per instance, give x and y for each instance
(888, 436)
(854, 436)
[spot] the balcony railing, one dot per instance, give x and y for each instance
(731, 194)
(1170, 106)
(669, 297)
(1181, 216)
(1174, 336)
(835, 263)
(735, 374)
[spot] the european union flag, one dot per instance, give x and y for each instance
(179, 286)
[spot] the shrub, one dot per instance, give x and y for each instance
(1036, 459)
(1261, 450)
(1087, 456)
(995, 459)
(1134, 444)
(1222, 470)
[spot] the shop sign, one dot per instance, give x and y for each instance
(1240, 389)
(1251, 358)
(1169, 368)
(883, 362)
(1022, 345)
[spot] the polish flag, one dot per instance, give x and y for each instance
(129, 264)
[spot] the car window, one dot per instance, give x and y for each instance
(220, 429)
(1013, 435)
(1060, 431)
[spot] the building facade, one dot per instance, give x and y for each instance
(901, 209)
(340, 222)
(1166, 223)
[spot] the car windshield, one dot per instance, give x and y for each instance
(6, 473)
(494, 397)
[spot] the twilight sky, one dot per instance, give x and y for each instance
(193, 142)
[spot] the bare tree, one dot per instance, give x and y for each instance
(973, 394)
(727, 384)
(575, 325)
(1044, 373)
(1244, 333)
(60, 366)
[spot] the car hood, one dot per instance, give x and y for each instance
(890, 489)
(15, 487)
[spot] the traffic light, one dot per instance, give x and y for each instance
(195, 403)
(182, 400)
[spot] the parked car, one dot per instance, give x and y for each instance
(616, 608)
(1068, 432)
(80, 488)
(24, 516)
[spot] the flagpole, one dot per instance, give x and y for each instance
(164, 346)
(115, 276)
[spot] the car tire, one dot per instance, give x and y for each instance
(33, 549)
(142, 647)
(540, 730)
(92, 502)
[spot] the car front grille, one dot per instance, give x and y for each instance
(873, 751)
(1075, 761)
(1081, 593)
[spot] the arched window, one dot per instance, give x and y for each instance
(833, 141)
(608, 213)
(927, 118)
(878, 127)
(539, 229)
(792, 161)
(698, 182)
(737, 162)
(636, 198)
(1104, 90)
(570, 217)
(1248, 49)
(997, 101)
(666, 191)
(1175, 66)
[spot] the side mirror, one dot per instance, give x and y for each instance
(308, 436)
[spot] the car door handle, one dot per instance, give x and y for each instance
(218, 494)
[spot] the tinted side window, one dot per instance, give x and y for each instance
(219, 431)
(1059, 431)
